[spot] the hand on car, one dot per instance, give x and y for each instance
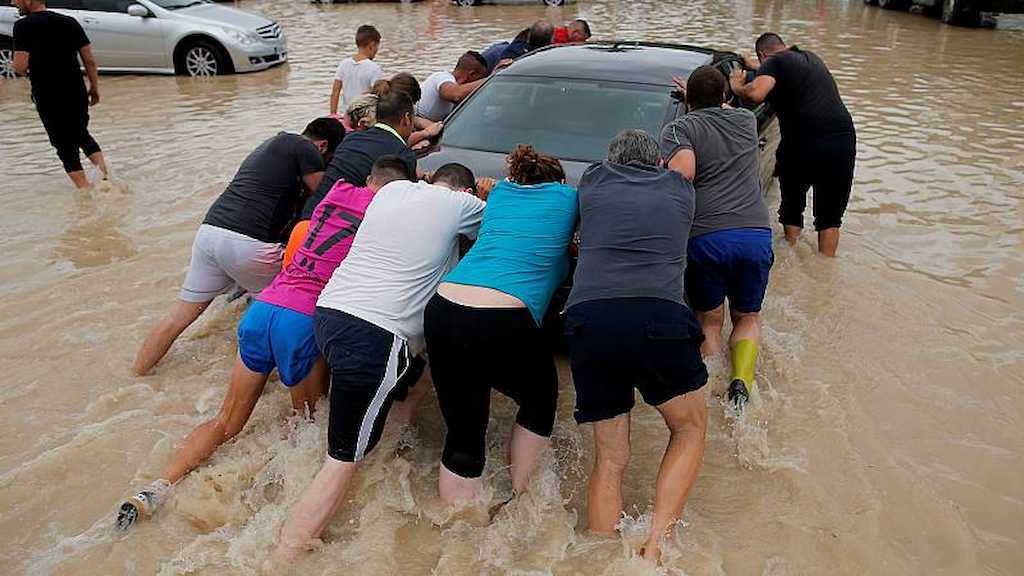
(483, 187)
(737, 79)
(434, 129)
(505, 63)
(680, 86)
(751, 62)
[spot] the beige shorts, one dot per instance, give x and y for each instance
(222, 259)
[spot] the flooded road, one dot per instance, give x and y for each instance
(886, 441)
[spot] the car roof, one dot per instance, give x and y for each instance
(633, 62)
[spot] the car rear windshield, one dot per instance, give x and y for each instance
(569, 118)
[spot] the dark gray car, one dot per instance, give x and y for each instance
(569, 101)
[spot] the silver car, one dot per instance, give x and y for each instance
(544, 2)
(193, 37)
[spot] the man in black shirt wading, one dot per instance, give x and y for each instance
(819, 142)
(239, 241)
(46, 47)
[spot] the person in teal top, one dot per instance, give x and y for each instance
(483, 325)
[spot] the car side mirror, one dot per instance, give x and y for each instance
(139, 11)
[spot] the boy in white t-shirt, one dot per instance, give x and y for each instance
(357, 74)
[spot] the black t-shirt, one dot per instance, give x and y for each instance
(264, 195)
(353, 159)
(805, 98)
(52, 41)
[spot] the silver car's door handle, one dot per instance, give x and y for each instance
(90, 21)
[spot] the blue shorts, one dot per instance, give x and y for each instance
(730, 264)
(272, 336)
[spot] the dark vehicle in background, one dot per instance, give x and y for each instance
(569, 101)
(957, 12)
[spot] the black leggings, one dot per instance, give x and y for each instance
(68, 129)
(470, 351)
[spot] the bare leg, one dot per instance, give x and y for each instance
(404, 412)
(159, 340)
(792, 233)
(100, 162)
(611, 455)
(454, 488)
(315, 508)
(308, 391)
(712, 322)
(828, 241)
(525, 450)
(745, 326)
(686, 418)
(243, 393)
(79, 179)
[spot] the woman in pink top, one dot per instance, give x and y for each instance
(277, 332)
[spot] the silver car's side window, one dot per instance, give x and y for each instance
(65, 4)
(120, 6)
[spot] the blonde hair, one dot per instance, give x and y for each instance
(363, 110)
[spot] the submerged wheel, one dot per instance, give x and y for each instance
(203, 58)
(466, 2)
(554, 2)
(6, 59)
(870, 2)
(958, 13)
(892, 4)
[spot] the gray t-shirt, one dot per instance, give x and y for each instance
(728, 178)
(634, 225)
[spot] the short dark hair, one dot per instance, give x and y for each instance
(366, 34)
(407, 83)
(584, 25)
(705, 88)
(327, 129)
(767, 41)
(392, 106)
(470, 61)
(455, 175)
(541, 34)
(389, 168)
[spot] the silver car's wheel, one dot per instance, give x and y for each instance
(466, 2)
(554, 2)
(7, 62)
(202, 60)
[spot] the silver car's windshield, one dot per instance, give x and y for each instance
(177, 4)
(568, 118)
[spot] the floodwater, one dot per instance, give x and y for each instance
(886, 439)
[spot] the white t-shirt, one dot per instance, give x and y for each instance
(407, 241)
(431, 106)
(356, 78)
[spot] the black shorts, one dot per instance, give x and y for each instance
(370, 369)
(618, 344)
(67, 126)
(473, 350)
(829, 170)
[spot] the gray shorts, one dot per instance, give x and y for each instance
(222, 259)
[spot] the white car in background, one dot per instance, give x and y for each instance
(192, 37)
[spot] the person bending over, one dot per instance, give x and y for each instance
(443, 90)
(47, 46)
(819, 142)
(490, 309)
(369, 327)
(729, 254)
(628, 327)
(277, 332)
(576, 31)
(355, 156)
(239, 241)
(424, 129)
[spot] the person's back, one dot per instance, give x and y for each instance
(727, 181)
(356, 74)
(522, 239)
(353, 159)
(805, 98)
(406, 243)
(634, 225)
(52, 41)
(334, 224)
(263, 195)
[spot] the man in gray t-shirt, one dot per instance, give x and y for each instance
(729, 254)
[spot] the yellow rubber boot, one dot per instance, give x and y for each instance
(744, 359)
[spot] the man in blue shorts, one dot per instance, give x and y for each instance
(730, 250)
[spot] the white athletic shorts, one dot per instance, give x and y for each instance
(222, 259)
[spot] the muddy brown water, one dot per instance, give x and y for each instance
(886, 439)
